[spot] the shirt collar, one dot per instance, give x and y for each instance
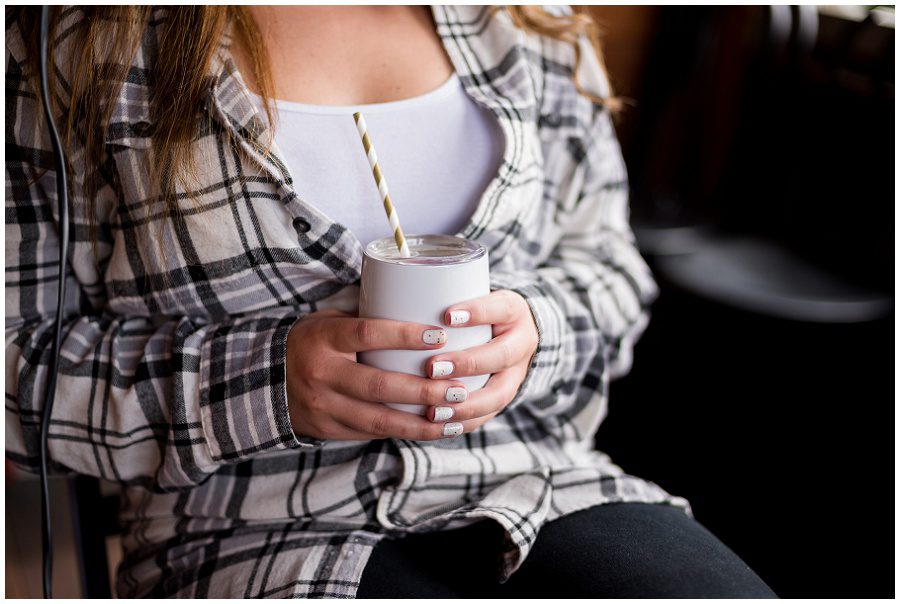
(481, 46)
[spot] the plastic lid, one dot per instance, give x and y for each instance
(428, 250)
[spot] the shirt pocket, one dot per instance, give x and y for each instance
(232, 240)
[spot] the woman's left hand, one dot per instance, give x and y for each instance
(507, 356)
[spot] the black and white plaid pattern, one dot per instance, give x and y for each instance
(173, 377)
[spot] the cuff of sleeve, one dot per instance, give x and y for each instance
(280, 403)
(243, 396)
(550, 321)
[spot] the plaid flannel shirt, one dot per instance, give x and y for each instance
(172, 377)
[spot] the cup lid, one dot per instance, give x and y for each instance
(427, 250)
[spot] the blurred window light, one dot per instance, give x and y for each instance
(881, 15)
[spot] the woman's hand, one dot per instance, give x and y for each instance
(331, 396)
(507, 356)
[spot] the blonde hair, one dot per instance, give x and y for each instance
(566, 28)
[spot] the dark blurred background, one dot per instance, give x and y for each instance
(760, 147)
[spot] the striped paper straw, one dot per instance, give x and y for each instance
(382, 186)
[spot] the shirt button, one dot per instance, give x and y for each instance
(553, 120)
(302, 225)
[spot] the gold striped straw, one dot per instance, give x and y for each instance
(382, 186)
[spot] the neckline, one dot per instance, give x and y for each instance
(431, 96)
(507, 106)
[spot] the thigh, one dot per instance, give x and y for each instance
(632, 550)
(460, 563)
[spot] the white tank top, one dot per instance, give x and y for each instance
(437, 151)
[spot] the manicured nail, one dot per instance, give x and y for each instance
(453, 429)
(456, 395)
(459, 317)
(434, 336)
(441, 368)
(442, 414)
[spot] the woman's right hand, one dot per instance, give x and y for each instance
(331, 396)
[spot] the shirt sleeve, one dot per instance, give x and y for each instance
(156, 401)
(590, 298)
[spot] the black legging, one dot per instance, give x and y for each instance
(615, 550)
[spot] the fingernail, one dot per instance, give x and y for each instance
(441, 368)
(456, 395)
(434, 336)
(442, 414)
(459, 317)
(453, 429)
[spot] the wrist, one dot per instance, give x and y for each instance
(292, 361)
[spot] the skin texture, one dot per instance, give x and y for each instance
(349, 55)
(395, 54)
(331, 396)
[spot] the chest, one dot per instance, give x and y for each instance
(344, 55)
(434, 188)
(247, 240)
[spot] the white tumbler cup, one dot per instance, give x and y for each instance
(442, 270)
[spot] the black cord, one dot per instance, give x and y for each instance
(62, 199)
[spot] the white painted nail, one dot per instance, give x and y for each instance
(456, 395)
(442, 413)
(453, 429)
(434, 336)
(441, 368)
(459, 317)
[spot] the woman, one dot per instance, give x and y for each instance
(209, 358)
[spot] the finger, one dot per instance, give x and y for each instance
(493, 398)
(500, 353)
(369, 384)
(454, 429)
(498, 307)
(319, 420)
(360, 334)
(337, 430)
(344, 432)
(380, 421)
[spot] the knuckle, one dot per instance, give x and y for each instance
(471, 366)
(322, 335)
(428, 393)
(315, 403)
(380, 424)
(379, 387)
(365, 333)
(316, 370)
